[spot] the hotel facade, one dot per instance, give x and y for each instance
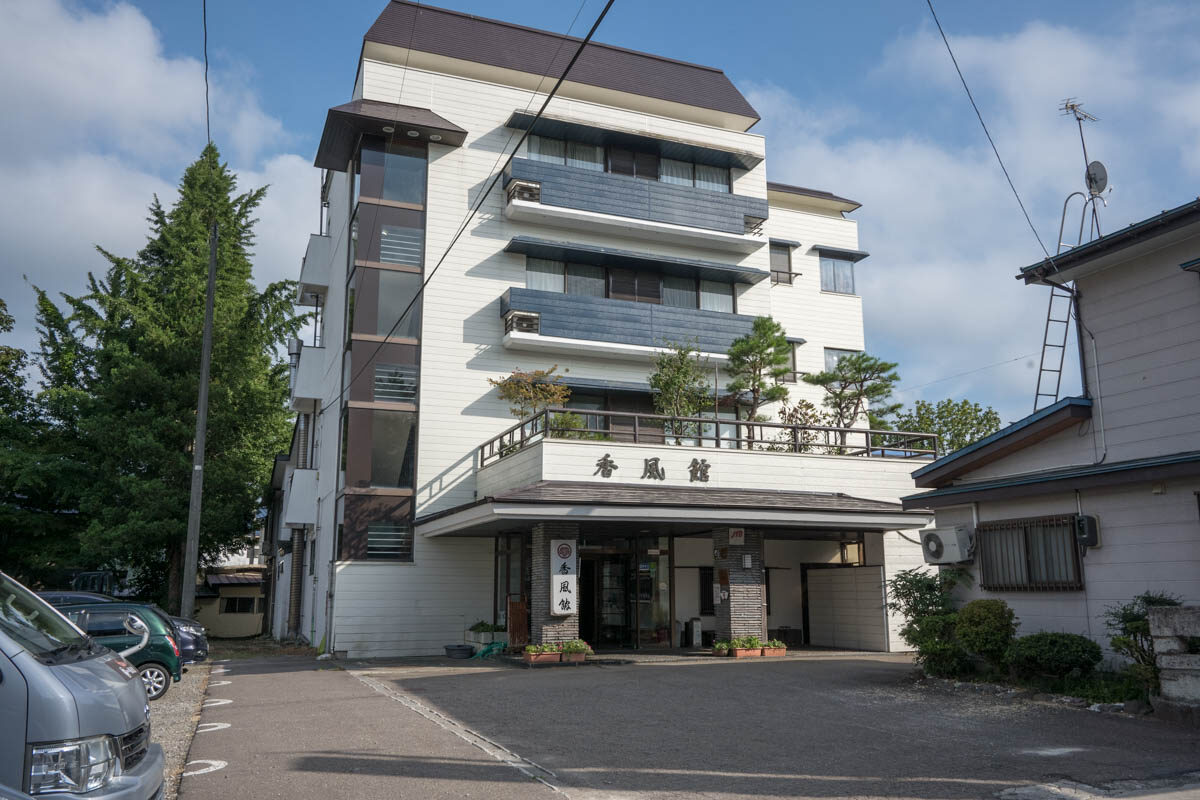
(637, 213)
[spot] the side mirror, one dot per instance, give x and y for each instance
(138, 628)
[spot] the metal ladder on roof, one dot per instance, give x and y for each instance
(1054, 347)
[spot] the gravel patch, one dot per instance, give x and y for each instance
(173, 721)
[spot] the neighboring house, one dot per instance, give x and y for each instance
(1127, 452)
(230, 601)
(410, 504)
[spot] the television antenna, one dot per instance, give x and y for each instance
(1063, 296)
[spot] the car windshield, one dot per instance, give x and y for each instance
(34, 624)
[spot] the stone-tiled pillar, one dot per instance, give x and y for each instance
(743, 612)
(542, 626)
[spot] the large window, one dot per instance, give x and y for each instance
(376, 527)
(781, 263)
(381, 448)
(386, 235)
(386, 373)
(837, 275)
(618, 283)
(392, 171)
(626, 161)
(383, 303)
(1031, 554)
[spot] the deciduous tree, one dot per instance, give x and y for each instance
(956, 424)
(680, 386)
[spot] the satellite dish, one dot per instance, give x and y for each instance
(1097, 177)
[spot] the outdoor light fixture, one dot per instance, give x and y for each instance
(435, 137)
(388, 129)
(414, 134)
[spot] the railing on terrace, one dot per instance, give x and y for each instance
(775, 437)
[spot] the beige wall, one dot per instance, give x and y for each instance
(230, 626)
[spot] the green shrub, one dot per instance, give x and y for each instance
(746, 643)
(938, 650)
(1053, 655)
(987, 628)
(1129, 626)
(576, 646)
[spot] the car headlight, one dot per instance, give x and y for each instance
(75, 767)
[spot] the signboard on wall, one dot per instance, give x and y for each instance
(564, 595)
(737, 536)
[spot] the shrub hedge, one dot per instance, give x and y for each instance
(1053, 655)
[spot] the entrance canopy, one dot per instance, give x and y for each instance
(610, 509)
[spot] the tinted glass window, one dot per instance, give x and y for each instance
(679, 292)
(585, 279)
(393, 171)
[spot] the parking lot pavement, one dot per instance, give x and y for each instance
(843, 726)
(295, 728)
(172, 722)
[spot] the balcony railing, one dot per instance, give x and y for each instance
(773, 437)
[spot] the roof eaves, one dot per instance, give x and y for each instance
(818, 194)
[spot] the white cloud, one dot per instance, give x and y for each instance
(945, 233)
(105, 120)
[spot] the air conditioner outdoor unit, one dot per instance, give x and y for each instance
(946, 545)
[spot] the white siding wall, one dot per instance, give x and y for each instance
(846, 608)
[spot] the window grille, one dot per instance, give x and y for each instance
(400, 245)
(1032, 554)
(395, 383)
(392, 542)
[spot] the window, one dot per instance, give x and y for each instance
(382, 372)
(630, 162)
(781, 263)
(238, 605)
(589, 402)
(387, 235)
(706, 592)
(793, 373)
(628, 284)
(832, 357)
(585, 156)
(585, 279)
(679, 292)
(390, 541)
(1032, 554)
(837, 275)
(385, 303)
(395, 383)
(715, 179)
(380, 451)
(539, 148)
(716, 296)
(681, 173)
(544, 275)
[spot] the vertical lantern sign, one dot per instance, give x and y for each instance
(563, 595)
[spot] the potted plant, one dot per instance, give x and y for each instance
(746, 647)
(575, 651)
(549, 653)
(720, 648)
(774, 647)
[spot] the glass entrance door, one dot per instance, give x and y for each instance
(653, 563)
(625, 592)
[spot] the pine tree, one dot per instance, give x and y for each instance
(758, 363)
(120, 372)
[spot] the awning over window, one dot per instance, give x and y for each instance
(344, 124)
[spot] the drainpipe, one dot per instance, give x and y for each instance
(297, 584)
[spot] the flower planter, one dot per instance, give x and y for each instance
(574, 658)
(477, 637)
(774, 651)
(542, 658)
(746, 652)
(723, 653)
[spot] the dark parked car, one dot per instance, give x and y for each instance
(158, 661)
(190, 634)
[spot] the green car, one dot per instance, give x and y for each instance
(158, 662)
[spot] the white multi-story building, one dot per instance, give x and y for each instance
(637, 213)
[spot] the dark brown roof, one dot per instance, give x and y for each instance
(217, 580)
(344, 123)
(589, 493)
(817, 193)
(502, 44)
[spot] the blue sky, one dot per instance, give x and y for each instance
(857, 98)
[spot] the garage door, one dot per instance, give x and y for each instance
(846, 608)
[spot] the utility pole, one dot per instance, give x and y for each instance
(191, 554)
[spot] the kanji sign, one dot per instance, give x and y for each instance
(564, 599)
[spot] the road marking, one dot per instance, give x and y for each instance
(218, 683)
(1052, 751)
(219, 671)
(213, 766)
(209, 727)
(220, 661)
(497, 751)
(212, 701)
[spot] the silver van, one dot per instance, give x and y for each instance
(76, 719)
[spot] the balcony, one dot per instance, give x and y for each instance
(314, 271)
(307, 371)
(582, 199)
(576, 324)
(576, 445)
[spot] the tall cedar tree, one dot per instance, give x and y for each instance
(758, 363)
(858, 383)
(121, 377)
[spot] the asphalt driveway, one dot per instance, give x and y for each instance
(839, 726)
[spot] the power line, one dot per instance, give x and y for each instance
(968, 372)
(478, 203)
(986, 132)
(204, 22)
